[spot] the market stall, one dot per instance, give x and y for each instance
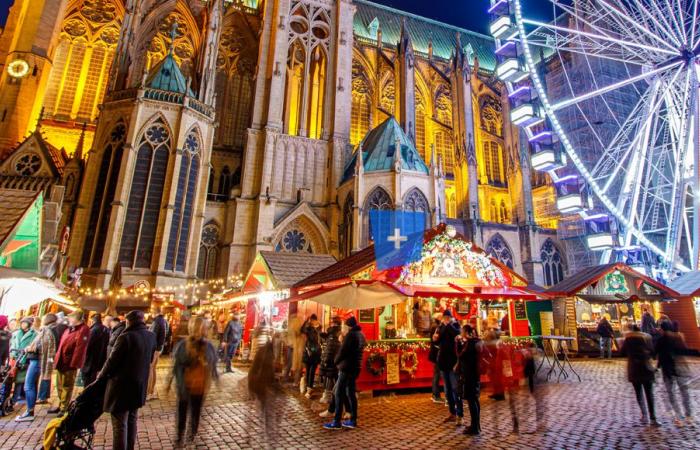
(451, 274)
(686, 311)
(24, 293)
(615, 291)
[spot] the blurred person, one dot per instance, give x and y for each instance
(494, 354)
(312, 351)
(231, 340)
(638, 348)
(264, 388)
(296, 340)
(60, 326)
(70, 356)
(421, 319)
(21, 339)
(470, 349)
(12, 325)
(116, 328)
(607, 334)
(40, 354)
(445, 336)
(670, 348)
(96, 353)
(126, 374)
(159, 328)
(349, 362)
(5, 336)
(328, 370)
(221, 323)
(194, 367)
(432, 357)
(648, 322)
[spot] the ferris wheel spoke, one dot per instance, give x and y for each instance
(664, 27)
(569, 44)
(693, 27)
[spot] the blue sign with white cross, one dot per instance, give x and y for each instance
(398, 237)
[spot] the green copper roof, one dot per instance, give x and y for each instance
(167, 76)
(378, 151)
(370, 16)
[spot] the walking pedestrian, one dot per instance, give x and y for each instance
(70, 356)
(312, 351)
(296, 337)
(328, 371)
(495, 353)
(194, 367)
(638, 348)
(159, 327)
(40, 355)
(670, 348)
(96, 353)
(21, 339)
(432, 357)
(116, 329)
(348, 361)
(231, 340)
(126, 373)
(607, 334)
(648, 322)
(5, 337)
(470, 349)
(447, 359)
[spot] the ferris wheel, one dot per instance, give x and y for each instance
(606, 92)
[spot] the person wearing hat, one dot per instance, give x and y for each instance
(70, 357)
(348, 361)
(126, 375)
(96, 350)
(21, 339)
(40, 355)
(445, 337)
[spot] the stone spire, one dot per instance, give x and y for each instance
(406, 82)
(81, 144)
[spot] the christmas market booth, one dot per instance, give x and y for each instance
(616, 291)
(28, 294)
(451, 273)
(259, 301)
(687, 309)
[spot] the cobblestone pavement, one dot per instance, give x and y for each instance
(599, 412)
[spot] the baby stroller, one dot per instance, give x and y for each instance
(76, 429)
(7, 375)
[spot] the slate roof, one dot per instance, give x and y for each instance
(290, 268)
(583, 278)
(341, 269)
(687, 284)
(14, 204)
(378, 149)
(422, 30)
(167, 76)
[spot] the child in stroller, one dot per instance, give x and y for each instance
(76, 429)
(7, 375)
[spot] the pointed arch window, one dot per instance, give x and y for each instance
(498, 248)
(415, 201)
(225, 182)
(183, 211)
(208, 261)
(360, 109)
(503, 212)
(105, 188)
(444, 148)
(378, 199)
(493, 162)
(552, 263)
(145, 198)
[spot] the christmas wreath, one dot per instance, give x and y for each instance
(409, 362)
(376, 364)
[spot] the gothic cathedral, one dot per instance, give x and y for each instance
(180, 137)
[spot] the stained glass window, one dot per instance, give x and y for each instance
(498, 248)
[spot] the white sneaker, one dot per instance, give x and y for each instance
(26, 417)
(325, 413)
(302, 385)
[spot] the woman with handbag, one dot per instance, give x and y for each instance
(21, 339)
(640, 371)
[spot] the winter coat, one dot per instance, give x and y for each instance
(159, 327)
(44, 348)
(114, 333)
(20, 341)
(5, 337)
(434, 347)
(331, 348)
(72, 348)
(670, 349)
(233, 332)
(469, 356)
(349, 358)
(96, 349)
(638, 349)
(312, 348)
(57, 329)
(184, 355)
(126, 369)
(605, 330)
(648, 324)
(447, 356)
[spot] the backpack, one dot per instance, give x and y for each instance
(196, 375)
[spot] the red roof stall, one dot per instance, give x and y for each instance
(451, 274)
(687, 309)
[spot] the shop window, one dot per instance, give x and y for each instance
(552, 263)
(498, 248)
(225, 182)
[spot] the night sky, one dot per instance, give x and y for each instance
(470, 14)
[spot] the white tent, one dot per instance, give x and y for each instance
(19, 292)
(355, 296)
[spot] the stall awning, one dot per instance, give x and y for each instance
(18, 294)
(356, 295)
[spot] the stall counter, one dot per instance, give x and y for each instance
(376, 374)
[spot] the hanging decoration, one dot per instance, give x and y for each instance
(409, 362)
(376, 363)
(386, 346)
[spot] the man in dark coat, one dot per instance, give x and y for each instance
(348, 361)
(159, 327)
(640, 372)
(670, 348)
(126, 373)
(96, 354)
(231, 339)
(469, 348)
(70, 356)
(116, 329)
(447, 358)
(432, 357)
(606, 333)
